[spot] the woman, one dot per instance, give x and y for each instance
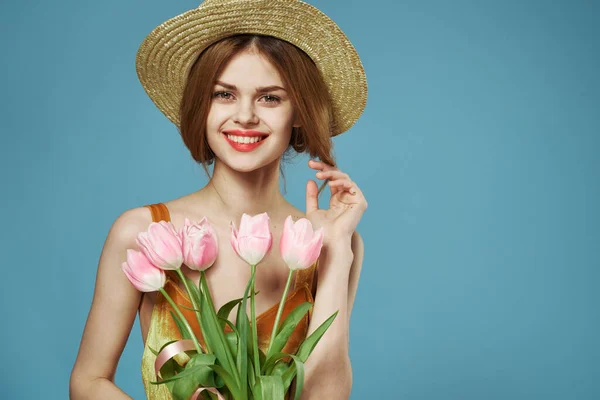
(245, 88)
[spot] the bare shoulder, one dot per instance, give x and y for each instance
(114, 304)
(128, 224)
(123, 233)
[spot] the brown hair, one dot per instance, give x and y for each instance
(308, 93)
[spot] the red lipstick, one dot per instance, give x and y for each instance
(244, 147)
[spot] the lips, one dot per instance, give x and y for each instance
(244, 147)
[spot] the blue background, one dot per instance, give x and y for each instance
(477, 152)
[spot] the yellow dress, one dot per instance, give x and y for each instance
(163, 329)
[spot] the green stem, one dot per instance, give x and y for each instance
(208, 296)
(254, 327)
(280, 311)
(192, 298)
(185, 322)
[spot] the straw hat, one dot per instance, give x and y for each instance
(166, 54)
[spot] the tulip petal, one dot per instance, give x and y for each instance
(200, 245)
(253, 241)
(142, 274)
(300, 246)
(303, 230)
(161, 244)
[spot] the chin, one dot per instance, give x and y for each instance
(244, 168)
(247, 164)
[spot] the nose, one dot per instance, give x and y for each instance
(245, 113)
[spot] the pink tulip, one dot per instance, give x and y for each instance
(300, 246)
(162, 245)
(200, 245)
(142, 274)
(254, 240)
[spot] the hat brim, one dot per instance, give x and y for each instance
(166, 54)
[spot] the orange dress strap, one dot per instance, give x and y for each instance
(159, 212)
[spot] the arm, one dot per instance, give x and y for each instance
(328, 372)
(111, 316)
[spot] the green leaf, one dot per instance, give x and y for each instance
(181, 326)
(229, 380)
(262, 357)
(232, 337)
(226, 308)
(153, 351)
(188, 308)
(243, 327)
(250, 347)
(251, 377)
(219, 382)
(195, 291)
(251, 367)
(232, 340)
(214, 335)
(200, 375)
(269, 388)
(309, 344)
(297, 368)
(201, 362)
(229, 323)
(280, 368)
(272, 361)
(287, 327)
(302, 355)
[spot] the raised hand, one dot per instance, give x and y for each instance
(346, 206)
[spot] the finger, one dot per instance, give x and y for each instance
(351, 189)
(320, 165)
(312, 201)
(332, 174)
(354, 196)
(354, 200)
(345, 184)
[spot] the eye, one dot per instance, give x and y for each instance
(222, 95)
(271, 99)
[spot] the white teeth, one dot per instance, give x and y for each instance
(244, 139)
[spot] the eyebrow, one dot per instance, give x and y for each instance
(263, 89)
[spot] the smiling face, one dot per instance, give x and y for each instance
(249, 98)
(249, 62)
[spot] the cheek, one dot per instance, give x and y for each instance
(278, 119)
(214, 116)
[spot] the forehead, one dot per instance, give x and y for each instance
(250, 69)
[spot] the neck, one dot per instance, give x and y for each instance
(232, 193)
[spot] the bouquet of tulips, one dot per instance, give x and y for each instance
(231, 366)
